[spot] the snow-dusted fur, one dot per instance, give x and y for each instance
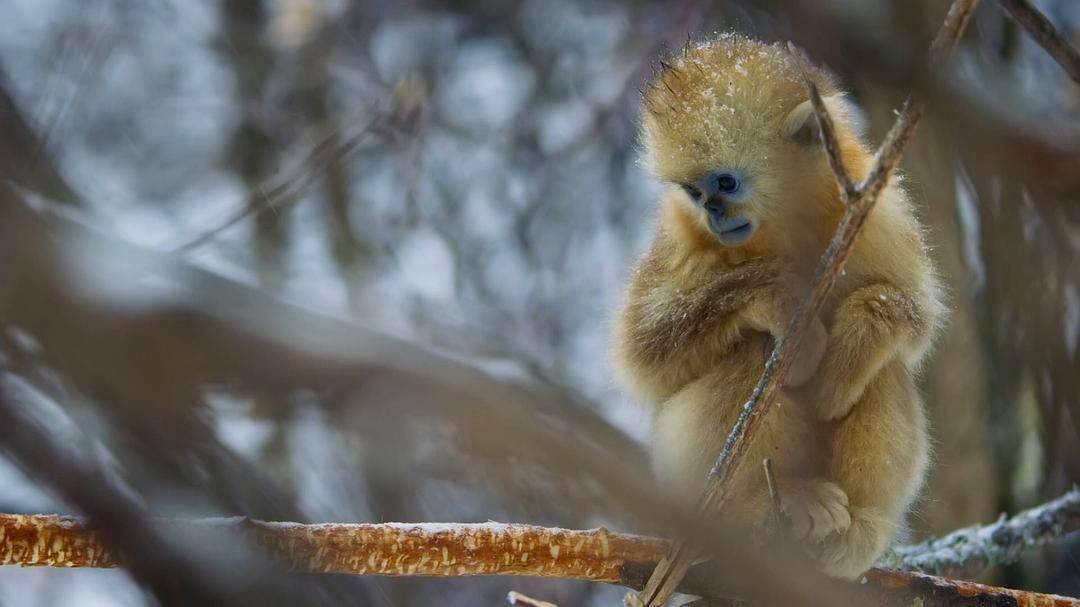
(848, 437)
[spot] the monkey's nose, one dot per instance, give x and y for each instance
(715, 206)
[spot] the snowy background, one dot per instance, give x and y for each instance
(464, 176)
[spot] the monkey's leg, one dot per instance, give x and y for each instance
(690, 430)
(878, 455)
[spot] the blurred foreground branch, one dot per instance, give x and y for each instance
(119, 521)
(461, 549)
(220, 332)
(968, 552)
(173, 575)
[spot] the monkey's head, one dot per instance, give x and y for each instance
(729, 125)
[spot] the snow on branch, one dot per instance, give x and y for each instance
(969, 551)
(458, 550)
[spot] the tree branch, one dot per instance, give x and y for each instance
(848, 191)
(969, 551)
(952, 28)
(281, 192)
(460, 549)
(1042, 30)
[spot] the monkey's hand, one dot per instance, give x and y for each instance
(870, 330)
(815, 507)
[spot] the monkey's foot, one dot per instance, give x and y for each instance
(850, 553)
(816, 507)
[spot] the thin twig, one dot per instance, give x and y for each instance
(459, 550)
(711, 602)
(952, 29)
(774, 496)
(970, 551)
(670, 571)
(827, 129)
(1042, 30)
(284, 191)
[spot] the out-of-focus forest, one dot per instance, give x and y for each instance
(320, 260)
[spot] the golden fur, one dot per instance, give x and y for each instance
(848, 434)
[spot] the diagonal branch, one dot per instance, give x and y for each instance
(117, 519)
(952, 28)
(827, 129)
(286, 190)
(1044, 33)
(671, 570)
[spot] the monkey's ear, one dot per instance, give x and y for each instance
(801, 126)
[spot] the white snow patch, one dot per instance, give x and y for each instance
(427, 264)
(562, 124)
(486, 85)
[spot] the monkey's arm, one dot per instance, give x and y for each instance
(667, 330)
(875, 325)
(670, 332)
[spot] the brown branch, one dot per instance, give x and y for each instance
(952, 28)
(458, 550)
(391, 549)
(828, 131)
(671, 570)
(907, 588)
(1042, 30)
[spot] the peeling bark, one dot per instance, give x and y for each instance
(51, 541)
(460, 549)
(393, 549)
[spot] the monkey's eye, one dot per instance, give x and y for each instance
(691, 191)
(728, 184)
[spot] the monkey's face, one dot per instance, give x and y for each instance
(722, 196)
(742, 180)
(729, 127)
